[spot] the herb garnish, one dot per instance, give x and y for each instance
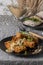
(33, 19)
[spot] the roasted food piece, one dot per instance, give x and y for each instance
(21, 42)
(7, 44)
(29, 44)
(14, 38)
(11, 46)
(19, 49)
(17, 37)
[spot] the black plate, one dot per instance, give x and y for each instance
(2, 46)
(40, 26)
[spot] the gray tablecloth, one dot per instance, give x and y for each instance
(8, 27)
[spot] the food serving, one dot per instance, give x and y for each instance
(32, 21)
(22, 42)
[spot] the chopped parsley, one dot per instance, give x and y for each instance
(33, 19)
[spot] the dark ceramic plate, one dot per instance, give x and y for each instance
(2, 46)
(40, 26)
(23, 27)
